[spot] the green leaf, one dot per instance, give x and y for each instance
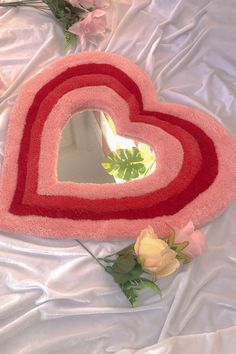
(64, 12)
(125, 164)
(181, 246)
(70, 41)
(146, 283)
(178, 247)
(184, 257)
(131, 283)
(130, 292)
(121, 278)
(171, 237)
(124, 263)
(132, 288)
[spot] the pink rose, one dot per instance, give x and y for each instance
(92, 26)
(196, 239)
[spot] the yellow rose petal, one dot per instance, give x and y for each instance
(169, 269)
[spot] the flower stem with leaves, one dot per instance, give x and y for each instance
(128, 271)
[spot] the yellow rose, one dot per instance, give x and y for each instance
(155, 255)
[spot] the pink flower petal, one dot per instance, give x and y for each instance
(88, 29)
(196, 239)
(197, 244)
(75, 28)
(183, 234)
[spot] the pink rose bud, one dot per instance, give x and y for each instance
(88, 29)
(196, 239)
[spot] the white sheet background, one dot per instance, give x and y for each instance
(53, 297)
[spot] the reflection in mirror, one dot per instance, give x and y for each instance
(90, 151)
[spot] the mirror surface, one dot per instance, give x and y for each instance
(90, 151)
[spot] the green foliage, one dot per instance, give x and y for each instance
(64, 12)
(130, 291)
(146, 283)
(130, 163)
(178, 247)
(126, 272)
(70, 40)
(132, 288)
(126, 164)
(124, 263)
(121, 278)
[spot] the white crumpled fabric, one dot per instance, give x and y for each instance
(53, 297)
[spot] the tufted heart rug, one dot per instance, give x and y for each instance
(196, 156)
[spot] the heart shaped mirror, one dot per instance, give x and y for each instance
(91, 151)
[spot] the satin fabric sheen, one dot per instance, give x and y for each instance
(54, 297)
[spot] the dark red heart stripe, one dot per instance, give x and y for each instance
(130, 207)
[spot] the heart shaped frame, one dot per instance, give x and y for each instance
(195, 178)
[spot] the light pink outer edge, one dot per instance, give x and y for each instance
(203, 209)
